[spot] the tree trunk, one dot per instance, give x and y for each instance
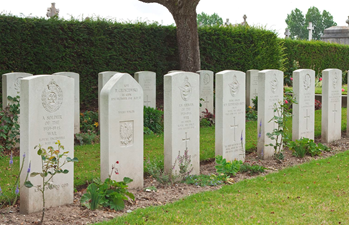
(184, 14)
(188, 42)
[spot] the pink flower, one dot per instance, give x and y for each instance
(286, 101)
(291, 78)
(320, 79)
(342, 89)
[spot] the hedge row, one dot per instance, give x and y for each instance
(316, 55)
(46, 46)
(41, 46)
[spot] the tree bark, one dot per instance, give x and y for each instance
(184, 14)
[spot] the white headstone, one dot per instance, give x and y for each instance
(303, 111)
(47, 115)
(122, 129)
(230, 115)
(11, 85)
(181, 115)
(331, 105)
(103, 78)
(76, 78)
(206, 91)
(251, 86)
(270, 94)
(147, 80)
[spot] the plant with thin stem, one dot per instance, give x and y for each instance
(52, 163)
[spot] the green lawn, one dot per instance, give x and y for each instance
(313, 193)
(88, 166)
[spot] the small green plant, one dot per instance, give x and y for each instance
(110, 193)
(251, 114)
(226, 167)
(89, 122)
(9, 126)
(306, 146)
(251, 169)
(282, 112)
(206, 119)
(153, 119)
(52, 163)
(203, 180)
(86, 138)
(156, 169)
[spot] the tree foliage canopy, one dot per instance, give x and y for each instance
(297, 23)
(204, 19)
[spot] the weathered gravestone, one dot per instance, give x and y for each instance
(303, 111)
(147, 80)
(47, 115)
(251, 86)
(122, 129)
(181, 115)
(103, 78)
(11, 85)
(331, 105)
(206, 91)
(270, 95)
(230, 115)
(76, 78)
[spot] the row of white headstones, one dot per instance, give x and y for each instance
(47, 115)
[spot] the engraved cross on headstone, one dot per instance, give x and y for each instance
(306, 117)
(52, 11)
(310, 29)
(186, 139)
(147, 102)
(234, 126)
(334, 113)
(244, 17)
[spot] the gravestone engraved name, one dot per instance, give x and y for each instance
(46, 116)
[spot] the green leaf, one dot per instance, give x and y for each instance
(65, 171)
(117, 204)
(28, 184)
(127, 180)
(33, 174)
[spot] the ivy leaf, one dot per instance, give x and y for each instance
(34, 174)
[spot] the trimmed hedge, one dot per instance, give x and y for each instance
(316, 55)
(46, 46)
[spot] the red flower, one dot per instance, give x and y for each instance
(116, 172)
(117, 162)
(286, 101)
(320, 79)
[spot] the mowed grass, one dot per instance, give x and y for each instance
(313, 193)
(88, 166)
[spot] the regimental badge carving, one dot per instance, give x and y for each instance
(234, 86)
(274, 84)
(52, 97)
(126, 133)
(186, 89)
(206, 79)
(17, 84)
(335, 81)
(306, 82)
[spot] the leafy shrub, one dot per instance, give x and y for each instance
(251, 114)
(227, 168)
(318, 104)
(206, 119)
(251, 169)
(89, 122)
(9, 126)
(306, 146)
(153, 119)
(109, 193)
(86, 138)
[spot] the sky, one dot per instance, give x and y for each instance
(270, 14)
